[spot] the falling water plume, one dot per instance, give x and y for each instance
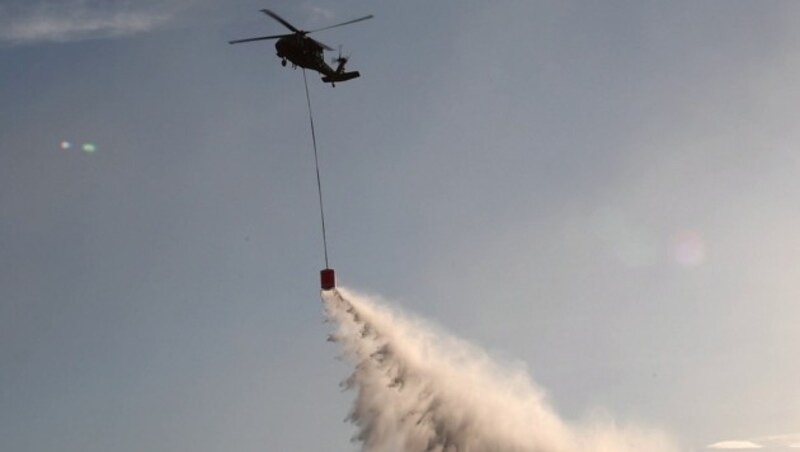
(419, 389)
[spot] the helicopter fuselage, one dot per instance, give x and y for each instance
(304, 52)
(309, 54)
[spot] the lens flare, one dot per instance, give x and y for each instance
(65, 145)
(89, 148)
(689, 249)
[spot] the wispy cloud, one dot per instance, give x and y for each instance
(320, 16)
(71, 20)
(774, 442)
(735, 445)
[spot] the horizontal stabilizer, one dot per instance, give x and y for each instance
(343, 77)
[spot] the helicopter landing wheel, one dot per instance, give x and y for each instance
(283, 63)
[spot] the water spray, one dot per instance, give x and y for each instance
(419, 389)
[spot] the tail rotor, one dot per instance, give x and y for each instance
(340, 60)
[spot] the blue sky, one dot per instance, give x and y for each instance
(603, 191)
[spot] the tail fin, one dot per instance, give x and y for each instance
(340, 62)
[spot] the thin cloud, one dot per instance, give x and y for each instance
(75, 20)
(773, 442)
(321, 16)
(735, 445)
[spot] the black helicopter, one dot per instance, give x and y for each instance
(306, 52)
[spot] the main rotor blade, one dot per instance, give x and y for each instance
(343, 23)
(281, 20)
(324, 46)
(262, 38)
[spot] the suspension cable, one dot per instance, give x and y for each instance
(316, 163)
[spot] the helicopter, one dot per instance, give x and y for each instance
(306, 52)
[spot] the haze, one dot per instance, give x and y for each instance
(604, 191)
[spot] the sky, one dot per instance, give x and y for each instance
(604, 192)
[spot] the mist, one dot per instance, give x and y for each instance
(419, 388)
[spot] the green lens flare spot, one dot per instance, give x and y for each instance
(89, 147)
